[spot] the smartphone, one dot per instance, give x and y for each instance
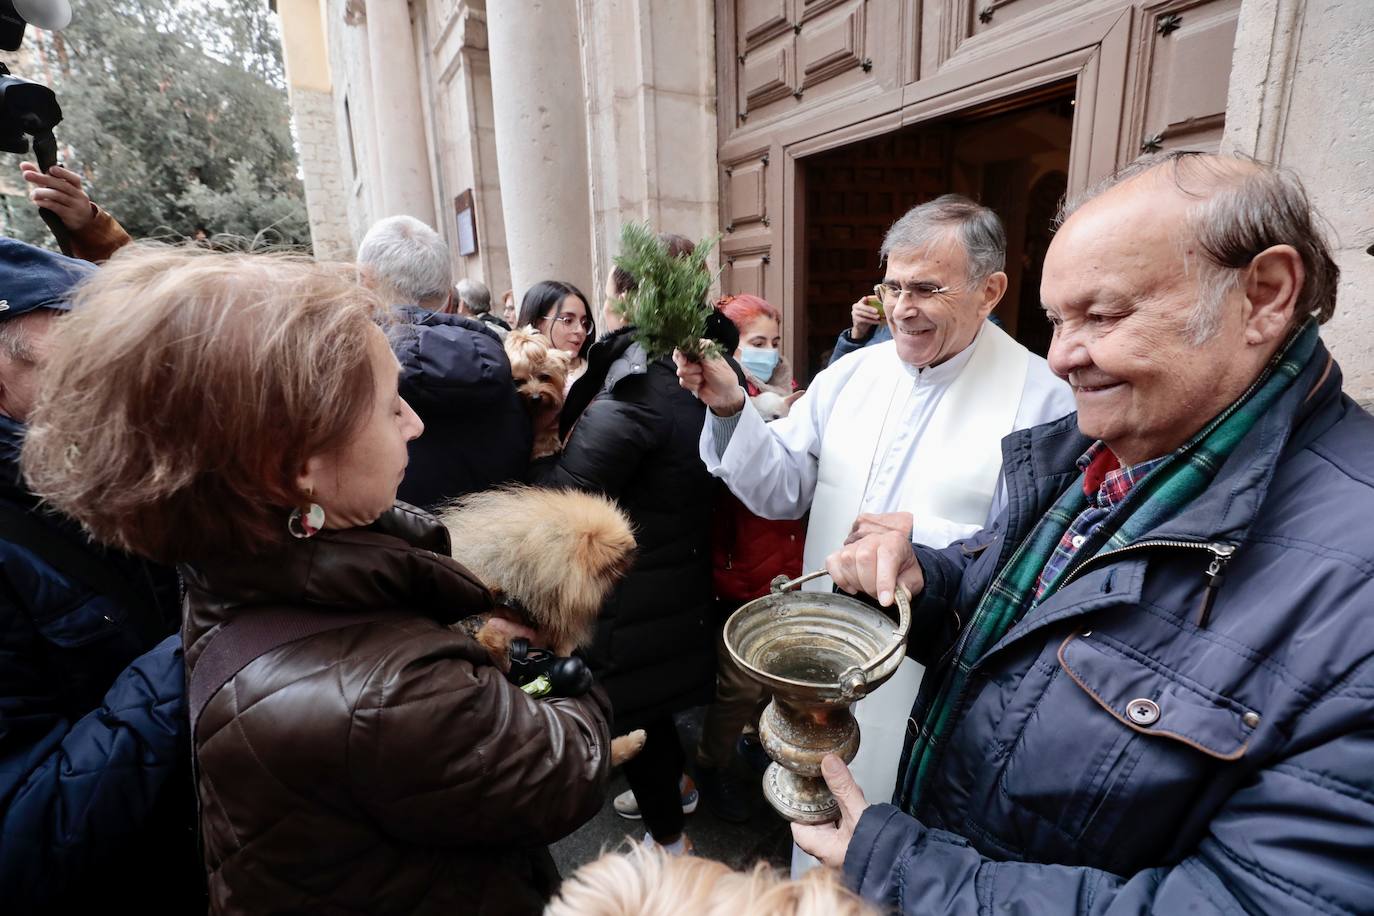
(877, 303)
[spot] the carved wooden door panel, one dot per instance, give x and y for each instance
(1182, 74)
(796, 55)
(748, 186)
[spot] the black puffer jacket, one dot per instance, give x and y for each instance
(455, 373)
(637, 442)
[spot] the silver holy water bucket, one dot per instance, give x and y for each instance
(817, 653)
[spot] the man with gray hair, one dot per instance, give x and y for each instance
(474, 301)
(984, 239)
(454, 370)
(407, 262)
(1151, 676)
(902, 435)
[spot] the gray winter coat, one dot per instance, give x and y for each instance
(1253, 789)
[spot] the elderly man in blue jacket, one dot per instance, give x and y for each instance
(96, 809)
(1151, 680)
(454, 370)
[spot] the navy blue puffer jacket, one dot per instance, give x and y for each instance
(1112, 755)
(96, 803)
(455, 374)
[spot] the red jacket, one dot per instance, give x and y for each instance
(748, 551)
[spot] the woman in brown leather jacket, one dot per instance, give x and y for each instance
(239, 416)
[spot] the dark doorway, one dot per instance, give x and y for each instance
(1012, 156)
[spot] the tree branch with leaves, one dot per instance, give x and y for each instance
(668, 305)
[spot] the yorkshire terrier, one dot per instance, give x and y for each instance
(540, 372)
(550, 558)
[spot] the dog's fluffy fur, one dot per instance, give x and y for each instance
(772, 406)
(626, 746)
(540, 371)
(556, 553)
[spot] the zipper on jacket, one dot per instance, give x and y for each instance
(1221, 553)
(1216, 572)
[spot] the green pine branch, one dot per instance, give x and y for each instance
(668, 307)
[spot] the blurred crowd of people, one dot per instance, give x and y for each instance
(255, 657)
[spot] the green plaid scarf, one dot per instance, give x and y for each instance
(1160, 496)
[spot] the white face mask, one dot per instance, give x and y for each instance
(759, 361)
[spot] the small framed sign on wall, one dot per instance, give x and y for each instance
(466, 214)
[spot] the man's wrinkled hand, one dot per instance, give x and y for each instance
(830, 842)
(712, 381)
(878, 522)
(61, 192)
(875, 565)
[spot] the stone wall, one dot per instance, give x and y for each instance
(1302, 95)
(312, 115)
(346, 35)
(650, 74)
(453, 34)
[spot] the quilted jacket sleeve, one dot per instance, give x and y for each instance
(70, 789)
(452, 367)
(1294, 839)
(844, 345)
(495, 766)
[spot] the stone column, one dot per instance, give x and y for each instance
(541, 142)
(402, 150)
(306, 56)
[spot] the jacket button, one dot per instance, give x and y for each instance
(1251, 719)
(1142, 711)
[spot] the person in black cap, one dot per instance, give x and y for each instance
(95, 793)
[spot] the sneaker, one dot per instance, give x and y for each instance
(683, 847)
(725, 796)
(627, 807)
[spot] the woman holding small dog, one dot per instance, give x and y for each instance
(239, 415)
(560, 312)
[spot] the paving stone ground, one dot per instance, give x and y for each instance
(764, 836)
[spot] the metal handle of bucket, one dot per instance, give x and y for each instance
(849, 683)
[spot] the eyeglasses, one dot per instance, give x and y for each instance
(890, 293)
(567, 321)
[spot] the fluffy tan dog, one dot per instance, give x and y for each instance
(551, 556)
(540, 372)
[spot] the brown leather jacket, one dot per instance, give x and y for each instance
(383, 767)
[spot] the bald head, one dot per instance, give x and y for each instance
(1171, 286)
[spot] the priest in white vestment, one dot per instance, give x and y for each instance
(906, 432)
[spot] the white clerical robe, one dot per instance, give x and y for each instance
(873, 434)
